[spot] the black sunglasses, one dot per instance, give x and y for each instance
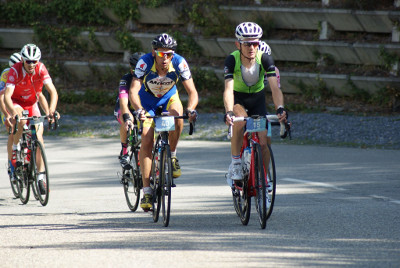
(249, 44)
(31, 61)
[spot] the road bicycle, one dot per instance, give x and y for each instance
(131, 178)
(29, 159)
(258, 181)
(161, 179)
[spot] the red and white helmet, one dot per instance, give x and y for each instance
(248, 30)
(31, 52)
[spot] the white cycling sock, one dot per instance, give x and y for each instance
(16, 147)
(236, 159)
(40, 176)
(147, 190)
(173, 154)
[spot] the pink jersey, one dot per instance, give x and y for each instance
(27, 87)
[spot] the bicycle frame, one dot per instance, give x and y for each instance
(250, 140)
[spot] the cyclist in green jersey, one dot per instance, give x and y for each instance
(244, 93)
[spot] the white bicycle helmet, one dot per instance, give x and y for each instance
(264, 48)
(248, 30)
(16, 57)
(31, 52)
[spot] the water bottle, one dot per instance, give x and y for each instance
(247, 157)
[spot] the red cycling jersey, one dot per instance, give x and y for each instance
(27, 87)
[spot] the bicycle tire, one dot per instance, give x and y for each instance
(38, 148)
(272, 181)
(260, 199)
(132, 182)
(242, 200)
(23, 184)
(156, 184)
(166, 183)
(13, 182)
(22, 176)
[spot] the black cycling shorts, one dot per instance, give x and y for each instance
(254, 103)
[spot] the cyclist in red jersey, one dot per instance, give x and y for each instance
(23, 90)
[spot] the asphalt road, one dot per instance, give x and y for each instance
(335, 207)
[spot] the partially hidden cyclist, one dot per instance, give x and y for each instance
(5, 116)
(244, 93)
(154, 85)
(23, 91)
(123, 109)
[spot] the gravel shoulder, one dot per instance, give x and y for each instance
(324, 129)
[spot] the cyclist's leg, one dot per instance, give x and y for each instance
(175, 108)
(145, 159)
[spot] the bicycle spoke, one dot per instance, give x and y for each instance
(166, 184)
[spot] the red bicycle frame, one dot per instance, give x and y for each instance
(247, 141)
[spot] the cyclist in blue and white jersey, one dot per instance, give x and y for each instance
(154, 85)
(244, 93)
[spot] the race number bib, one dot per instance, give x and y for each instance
(165, 123)
(256, 124)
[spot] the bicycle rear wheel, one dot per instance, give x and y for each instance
(271, 179)
(132, 181)
(259, 184)
(155, 183)
(166, 183)
(43, 186)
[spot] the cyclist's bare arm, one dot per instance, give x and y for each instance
(9, 91)
(277, 96)
(134, 96)
(43, 103)
(192, 93)
(193, 97)
(53, 98)
(228, 99)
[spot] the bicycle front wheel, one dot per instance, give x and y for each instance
(13, 182)
(259, 184)
(166, 183)
(23, 184)
(155, 183)
(132, 181)
(39, 166)
(242, 200)
(271, 180)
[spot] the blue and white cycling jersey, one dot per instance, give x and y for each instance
(158, 85)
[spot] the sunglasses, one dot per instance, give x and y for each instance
(249, 44)
(31, 61)
(162, 54)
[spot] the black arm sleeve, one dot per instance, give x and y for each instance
(269, 65)
(229, 66)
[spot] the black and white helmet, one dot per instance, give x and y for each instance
(134, 58)
(264, 48)
(16, 57)
(248, 30)
(164, 40)
(31, 52)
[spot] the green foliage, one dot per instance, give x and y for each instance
(127, 41)
(23, 12)
(206, 81)
(387, 59)
(357, 93)
(57, 38)
(155, 3)
(386, 96)
(186, 45)
(98, 97)
(208, 18)
(67, 96)
(317, 92)
(266, 23)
